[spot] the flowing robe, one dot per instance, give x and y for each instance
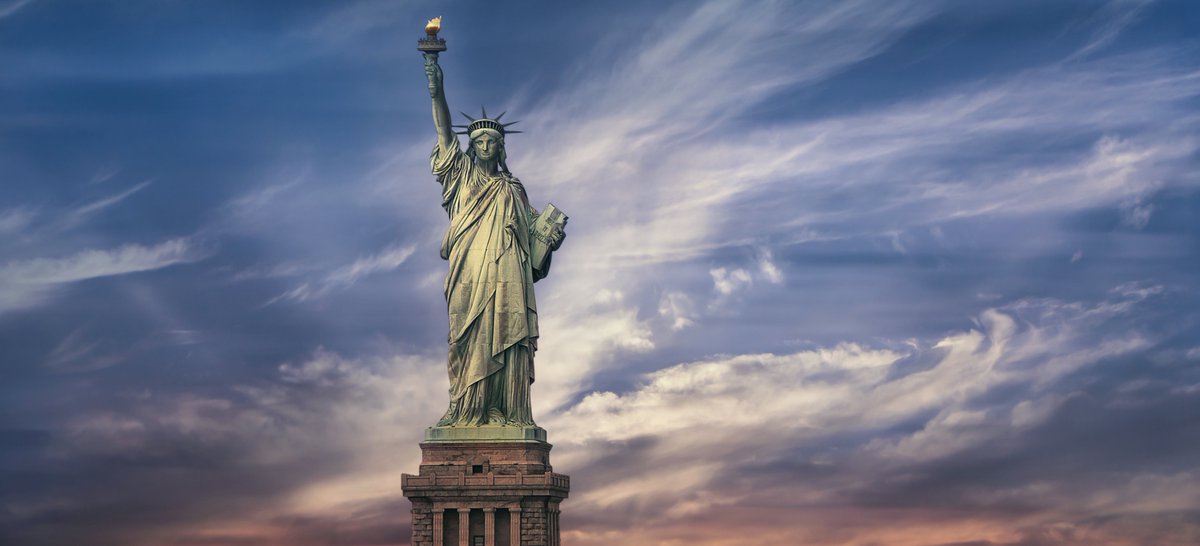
(489, 292)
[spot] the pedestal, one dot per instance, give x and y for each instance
(485, 486)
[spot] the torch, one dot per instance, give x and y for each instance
(431, 44)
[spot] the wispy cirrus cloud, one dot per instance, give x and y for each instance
(14, 221)
(660, 126)
(80, 353)
(674, 157)
(1108, 23)
(345, 276)
(11, 7)
(26, 282)
(83, 212)
(21, 221)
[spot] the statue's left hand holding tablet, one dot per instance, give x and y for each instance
(557, 236)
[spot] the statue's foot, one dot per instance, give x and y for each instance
(448, 418)
(496, 417)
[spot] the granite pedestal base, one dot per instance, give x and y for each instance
(476, 488)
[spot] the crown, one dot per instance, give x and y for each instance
(484, 122)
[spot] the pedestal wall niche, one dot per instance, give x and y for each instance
(485, 486)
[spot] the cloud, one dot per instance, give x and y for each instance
(1110, 20)
(768, 268)
(663, 116)
(677, 308)
(726, 281)
(24, 283)
(12, 7)
(882, 169)
(579, 337)
(85, 350)
(386, 260)
(14, 221)
(105, 173)
(247, 208)
(78, 353)
(734, 392)
(1135, 212)
(346, 276)
(667, 170)
(18, 223)
(316, 450)
(81, 212)
(684, 177)
(847, 425)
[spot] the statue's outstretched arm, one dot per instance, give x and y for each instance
(441, 111)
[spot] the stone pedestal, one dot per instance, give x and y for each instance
(485, 486)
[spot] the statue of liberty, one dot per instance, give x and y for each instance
(489, 285)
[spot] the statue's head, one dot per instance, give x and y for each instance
(487, 139)
(487, 144)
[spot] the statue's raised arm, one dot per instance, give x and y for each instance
(441, 111)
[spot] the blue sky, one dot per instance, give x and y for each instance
(844, 273)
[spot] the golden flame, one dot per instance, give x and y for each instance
(433, 26)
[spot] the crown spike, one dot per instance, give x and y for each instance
(466, 115)
(510, 123)
(512, 132)
(485, 122)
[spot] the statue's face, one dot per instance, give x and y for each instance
(486, 146)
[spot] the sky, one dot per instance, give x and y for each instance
(836, 273)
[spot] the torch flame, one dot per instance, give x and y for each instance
(433, 26)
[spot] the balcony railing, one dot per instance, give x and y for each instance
(485, 480)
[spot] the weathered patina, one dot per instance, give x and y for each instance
(489, 285)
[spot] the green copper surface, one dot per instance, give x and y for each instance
(489, 286)
(485, 433)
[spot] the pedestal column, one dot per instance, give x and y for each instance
(464, 527)
(489, 527)
(514, 526)
(438, 530)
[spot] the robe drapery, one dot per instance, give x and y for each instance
(489, 292)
